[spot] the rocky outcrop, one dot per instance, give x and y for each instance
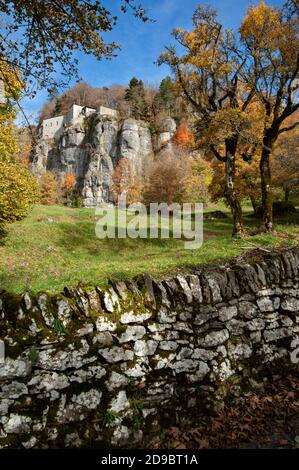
(92, 151)
(109, 367)
(168, 130)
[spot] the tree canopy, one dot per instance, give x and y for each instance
(234, 81)
(36, 36)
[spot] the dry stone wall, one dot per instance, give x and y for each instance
(109, 367)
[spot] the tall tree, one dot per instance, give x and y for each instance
(208, 72)
(285, 160)
(166, 97)
(135, 96)
(270, 40)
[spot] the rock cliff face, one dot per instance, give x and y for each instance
(93, 151)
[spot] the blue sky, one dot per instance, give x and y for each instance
(141, 43)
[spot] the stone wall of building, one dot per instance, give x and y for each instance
(108, 367)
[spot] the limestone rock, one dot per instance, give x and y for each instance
(145, 348)
(227, 313)
(116, 354)
(16, 423)
(14, 368)
(116, 381)
(92, 152)
(120, 402)
(214, 338)
(47, 381)
(130, 317)
(132, 333)
(104, 324)
(290, 304)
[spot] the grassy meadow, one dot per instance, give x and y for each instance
(55, 246)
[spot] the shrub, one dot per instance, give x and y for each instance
(49, 189)
(68, 187)
(18, 191)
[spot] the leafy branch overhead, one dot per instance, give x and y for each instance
(37, 36)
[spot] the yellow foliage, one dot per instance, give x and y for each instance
(267, 32)
(247, 180)
(12, 88)
(18, 191)
(49, 189)
(11, 81)
(258, 19)
(8, 143)
(126, 182)
(198, 181)
(18, 188)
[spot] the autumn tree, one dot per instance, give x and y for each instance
(11, 90)
(183, 137)
(18, 191)
(25, 137)
(165, 181)
(81, 94)
(125, 182)
(18, 188)
(285, 160)
(199, 177)
(49, 189)
(68, 186)
(247, 182)
(207, 69)
(270, 43)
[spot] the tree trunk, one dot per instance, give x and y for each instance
(255, 205)
(235, 206)
(267, 199)
(286, 194)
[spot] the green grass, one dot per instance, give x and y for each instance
(38, 255)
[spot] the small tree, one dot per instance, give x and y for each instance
(166, 179)
(126, 182)
(18, 188)
(18, 191)
(69, 186)
(49, 189)
(165, 99)
(183, 138)
(199, 177)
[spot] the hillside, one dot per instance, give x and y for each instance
(56, 246)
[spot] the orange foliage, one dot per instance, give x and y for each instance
(69, 183)
(183, 137)
(125, 182)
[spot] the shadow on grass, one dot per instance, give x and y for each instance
(82, 236)
(3, 234)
